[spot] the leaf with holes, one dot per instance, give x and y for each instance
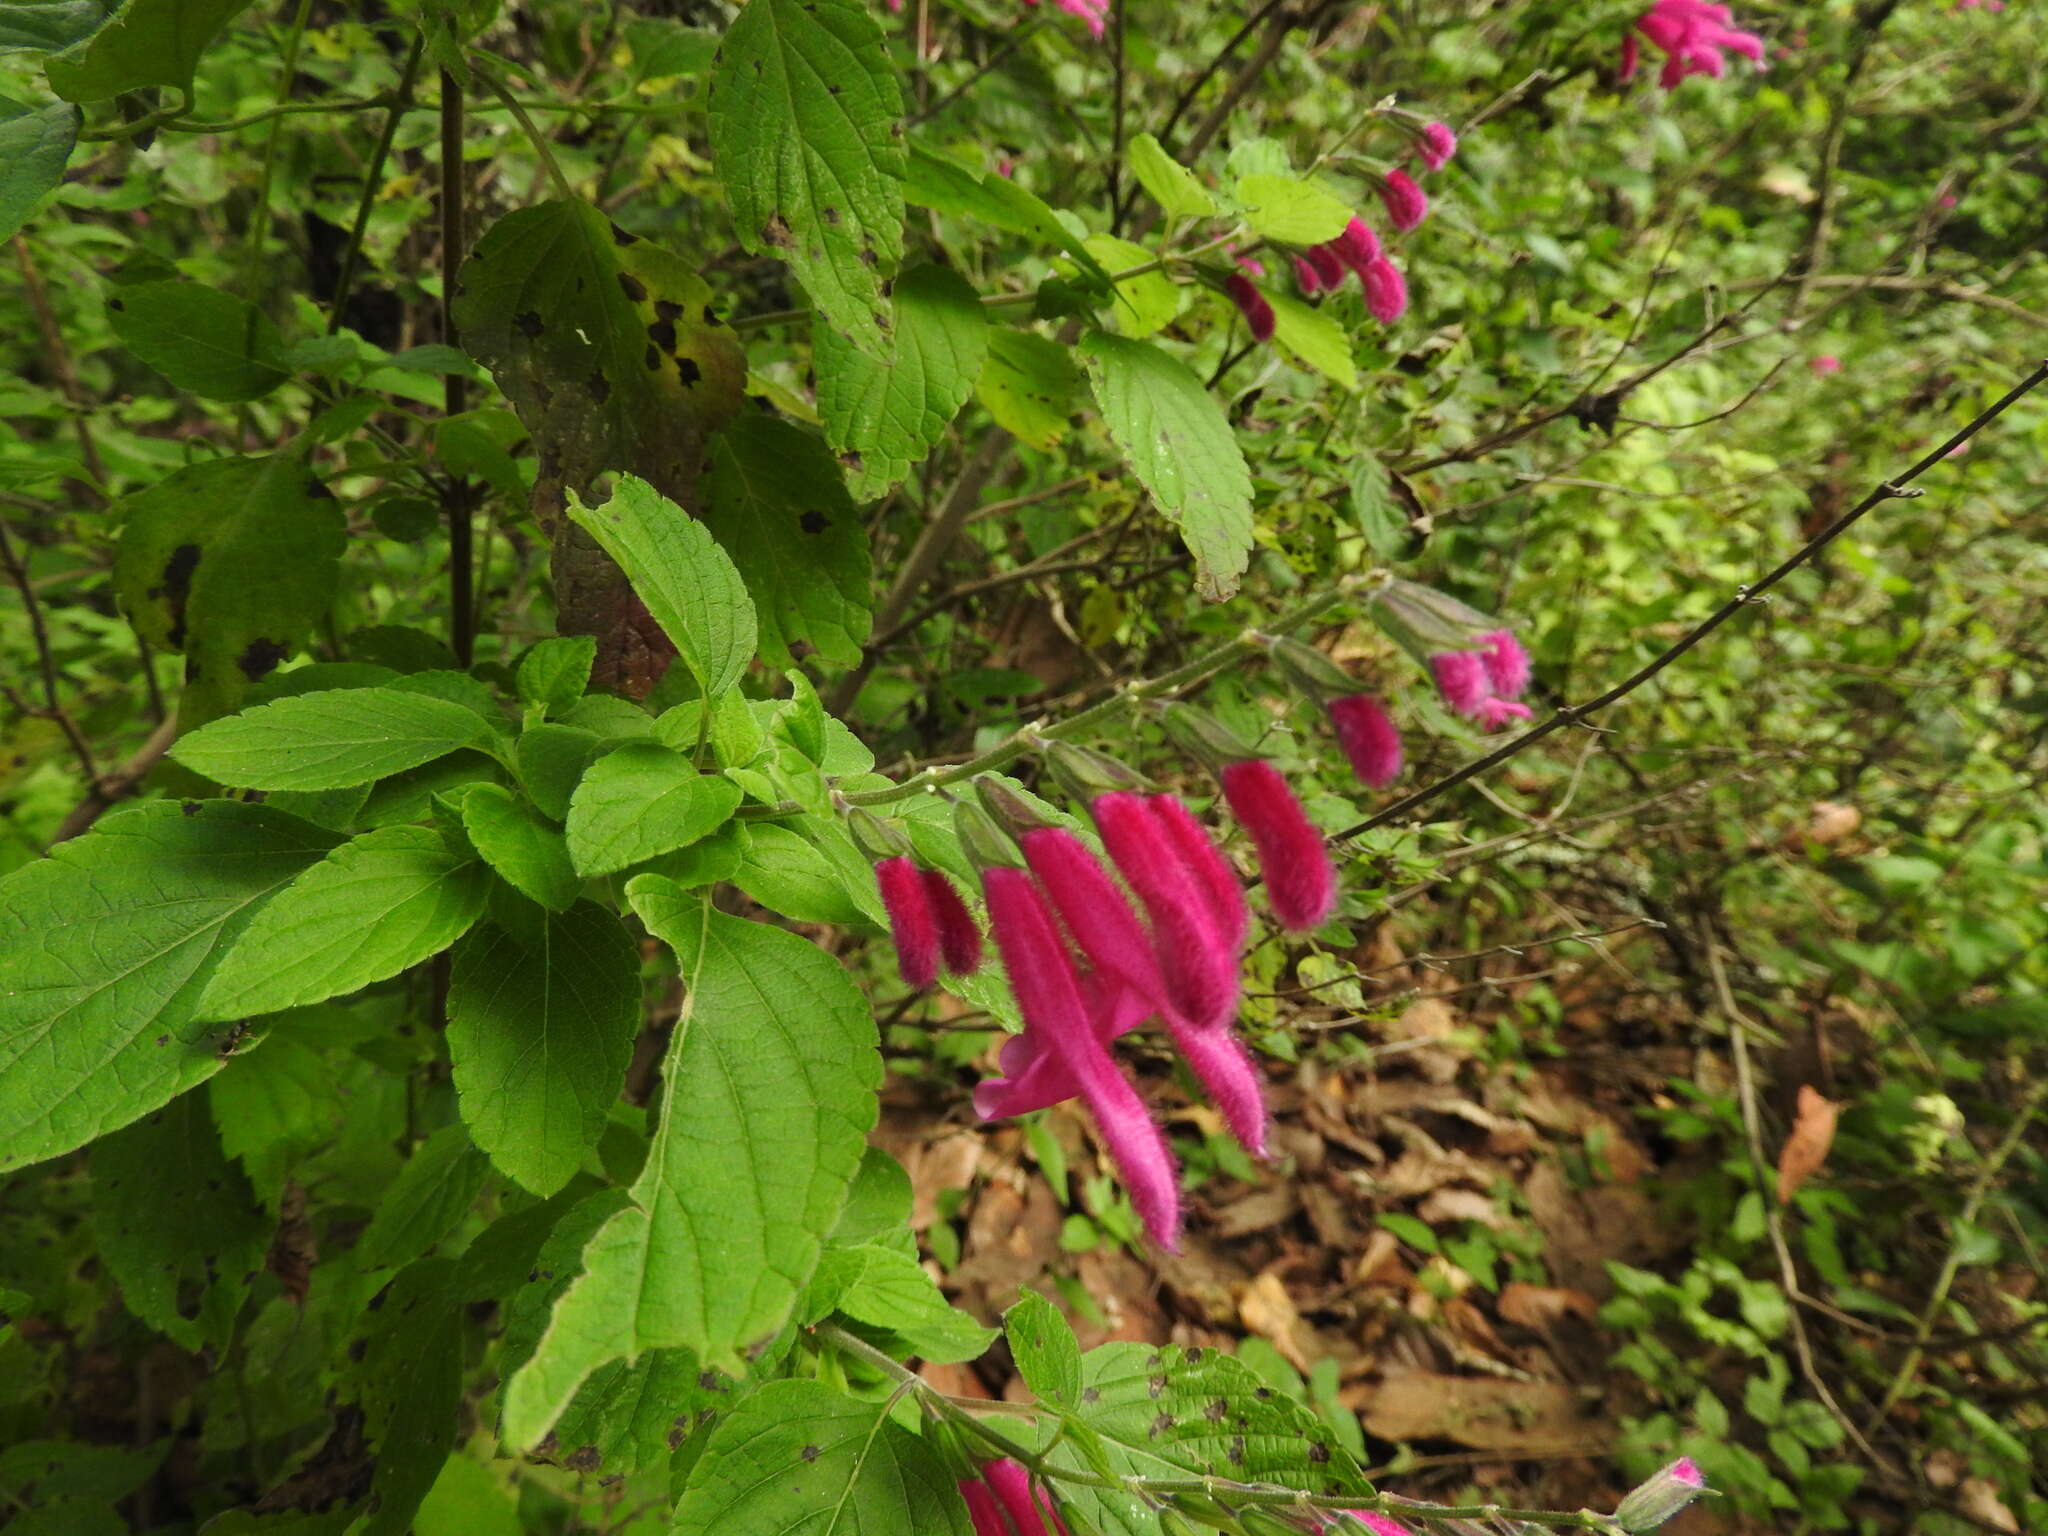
(1179, 443)
(105, 948)
(144, 43)
(688, 583)
(800, 1459)
(35, 143)
(233, 562)
(885, 417)
(204, 340)
(805, 132)
(776, 500)
(610, 352)
(331, 740)
(540, 1027)
(1164, 1412)
(376, 906)
(741, 1185)
(178, 1226)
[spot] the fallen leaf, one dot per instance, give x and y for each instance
(1830, 821)
(1267, 1310)
(1537, 1306)
(1813, 1132)
(1533, 1418)
(1447, 1205)
(1978, 1500)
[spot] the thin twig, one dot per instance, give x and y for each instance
(118, 785)
(46, 661)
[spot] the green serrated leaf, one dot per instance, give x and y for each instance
(640, 801)
(408, 1374)
(805, 133)
(799, 1459)
(375, 906)
(540, 1028)
(883, 418)
(1297, 212)
(555, 672)
(1144, 304)
(948, 187)
(740, 1186)
(1372, 502)
(885, 1288)
(35, 144)
(1030, 385)
(105, 947)
(205, 341)
(143, 43)
(775, 499)
(232, 562)
(433, 1192)
(529, 853)
(1313, 337)
(1169, 183)
(785, 872)
(1164, 1412)
(178, 1227)
(689, 584)
(1179, 443)
(1048, 1355)
(330, 740)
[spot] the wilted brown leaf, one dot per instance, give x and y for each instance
(1537, 1306)
(1813, 1132)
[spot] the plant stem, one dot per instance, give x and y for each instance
(455, 499)
(539, 140)
(1031, 736)
(373, 176)
(259, 217)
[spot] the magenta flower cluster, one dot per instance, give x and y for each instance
(1693, 36)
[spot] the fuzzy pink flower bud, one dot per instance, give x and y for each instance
(1025, 1504)
(1406, 203)
(1366, 733)
(1825, 364)
(1650, 1504)
(959, 937)
(1049, 996)
(1199, 964)
(1507, 664)
(1357, 247)
(1251, 266)
(1307, 277)
(1386, 291)
(1258, 314)
(980, 1500)
(1301, 883)
(1329, 262)
(1378, 1524)
(911, 923)
(1436, 146)
(1461, 679)
(1093, 12)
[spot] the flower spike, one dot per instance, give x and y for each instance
(911, 923)
(1366, 733)
(1301, 883)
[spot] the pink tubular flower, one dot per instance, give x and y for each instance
(1692, 35)
(1494, 713)
(1250, 265)
(1650, 1504)
(1386, 291)
(1306, 275)
(1329, 263)
(1094, 912)
(1825, 364)
(1507, 664)
(1222, 891)
(1406, 203)
(1436, 146)
(1258, 314)
(1198, 963)
(981, 1502)
(911, 923)
(1093, 12)
(959, 938)
(1461, 679)
(1026, 1505)
(1357, 247)
(1366, 733)
(1050, 997)
(1301, 883)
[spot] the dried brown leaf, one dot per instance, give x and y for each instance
(1806, 1148)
